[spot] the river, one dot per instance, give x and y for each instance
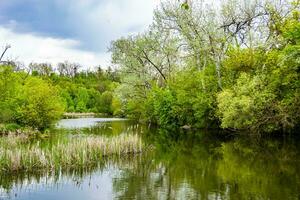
(178, 164)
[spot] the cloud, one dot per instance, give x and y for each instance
(94, 22)
(75, 30)
(98, 22)
(29, 47)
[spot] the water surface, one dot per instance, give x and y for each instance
(84, 122)
(181, 165)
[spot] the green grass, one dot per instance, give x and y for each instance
(15, 129)
(16, 154)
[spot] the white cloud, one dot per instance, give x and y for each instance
(28, 47)
(93, 24)
(98, 22)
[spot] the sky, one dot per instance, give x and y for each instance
(74, 30)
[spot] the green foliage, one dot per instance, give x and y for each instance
(39, 104)
(81, 99)
(189, 68)
(104, 103)
(162, 102)
(12, 127)
(188, 100)
(68, 101)
(39, 99)
(87, 92)
(246, 104)
(185, 6)
(269, 100)
(291, 31)
(186, 70)
(28, 101)
(116, 106)
(195, 97)
(9, 88)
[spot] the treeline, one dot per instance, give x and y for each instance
(38, 96)
(233, 65)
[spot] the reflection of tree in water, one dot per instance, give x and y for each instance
(112, 128)
(204, 167)
(266, 169)
(56, 177)
(177, 168)
(192, 166)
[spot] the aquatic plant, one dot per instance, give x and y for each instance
(15, 129)
(76, 152)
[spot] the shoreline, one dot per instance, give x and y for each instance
(74, 114)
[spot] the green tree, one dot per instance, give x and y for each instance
(81, 99)
(39, 104)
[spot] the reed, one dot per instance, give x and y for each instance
(15, 129)
(76, 152)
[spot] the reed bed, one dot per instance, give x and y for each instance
(76, 152)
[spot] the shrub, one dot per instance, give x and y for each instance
(39, 104)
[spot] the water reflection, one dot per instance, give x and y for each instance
(84, 122)
(212, 170)
(91, 182)
(183, 165)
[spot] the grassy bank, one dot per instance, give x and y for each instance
(73, 114)
(16, 154)
(15, 129)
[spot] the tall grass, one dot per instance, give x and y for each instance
(77, 174)
(76, 152)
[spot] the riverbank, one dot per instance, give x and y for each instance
(15, 129)
(74, 114)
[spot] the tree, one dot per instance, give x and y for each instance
(233, 64)
(42, 69)
(81, 99)
(4, 51)
(39, 104)
(68, 69)
(104, 103)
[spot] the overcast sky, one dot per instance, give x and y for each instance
(74, 30)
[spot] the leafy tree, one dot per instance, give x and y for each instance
(104, 103)
(9, 88)
(81, 99)
(39, 104)
(235, 65)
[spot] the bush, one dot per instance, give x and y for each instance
(39, 104)
(163, 103)
(12, 126)
(104, 102)
(81, 99)
(256, 103)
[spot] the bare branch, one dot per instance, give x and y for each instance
(5, 49)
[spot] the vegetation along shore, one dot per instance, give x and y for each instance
(18, 155)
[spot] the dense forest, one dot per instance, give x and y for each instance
(38, 96)
(233, 66)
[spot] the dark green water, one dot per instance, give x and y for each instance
(181, 165)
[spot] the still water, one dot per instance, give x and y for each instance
(177, 165)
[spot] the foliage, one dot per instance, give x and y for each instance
(268, 100)
(237, 69)
(235, 66)
(39, 98)
(162, 103)
(28, 101)
(87, 91)
(39, 104)
(104, 103)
